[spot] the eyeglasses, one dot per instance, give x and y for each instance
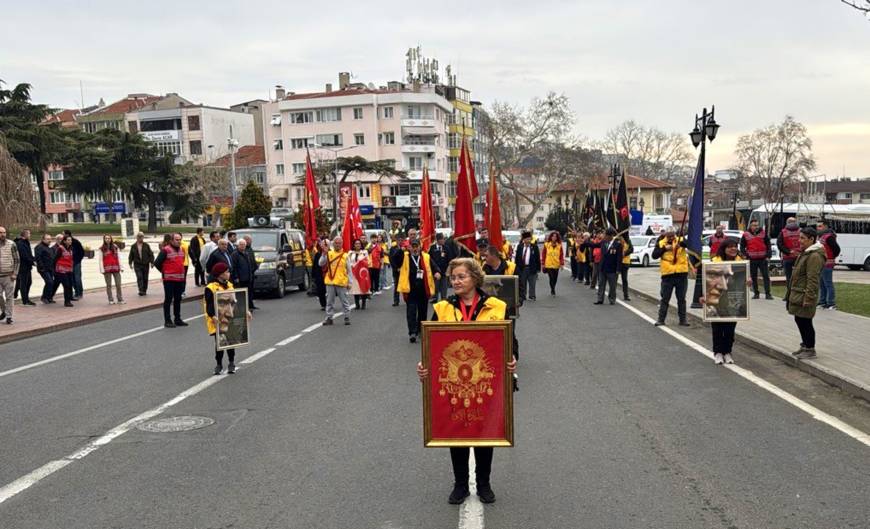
(458, 277)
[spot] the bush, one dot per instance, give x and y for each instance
(251, 202)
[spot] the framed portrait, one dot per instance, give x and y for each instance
(505, 288)
(231, 308)
(468, 397)
(726, 292)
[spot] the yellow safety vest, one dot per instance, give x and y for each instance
(336, 269)
(667, 266)
(493, 310)
(404, 286)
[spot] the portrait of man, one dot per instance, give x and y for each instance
(231, 310)
(725, 292)
(505, 288)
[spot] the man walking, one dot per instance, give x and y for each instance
(337, 274)
(25, 267)
(170, 262)
(528, 261)
(141, 259)
(755, 244)
(44, 258)
(242, 272)
(625, 265)
(828, 239)
(789, 243)
(9, 263)
(194, 251)
(417, 275)
(674, 269)
(78, 253)
(440, 254)
(611, 261)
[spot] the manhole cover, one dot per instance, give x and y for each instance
(175, 424)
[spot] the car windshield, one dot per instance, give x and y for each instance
(261, 241)
(638, 242)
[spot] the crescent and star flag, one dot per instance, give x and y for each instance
(361, 275)
(464, 230)
(311, 204)
(492, 218)
(427, 214)
(623, 218)
(352, 229)
(696, 213)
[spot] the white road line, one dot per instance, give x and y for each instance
(85, 350)
(471, 512)
(25, 482)
(312, 327)
(289, 340)
(814, 412)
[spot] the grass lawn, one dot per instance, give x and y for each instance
(851, 297)
(89, 228)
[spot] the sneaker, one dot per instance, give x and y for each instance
(122, 302)
(485, 493)
(718, 359)
(831, 307)
(458, 495)
(658, 323)
(231, 368)
(347, 321)
(598, 303)
(218, 369)
(809, 352)
(800, 350)
(728, 358)
(28, 302)
(8, 321)
(327, 321)
(627, 298)
(181, 323)
(169, 325)
(412, 338)
(111, 302)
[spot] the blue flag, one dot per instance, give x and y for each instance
(694, 246)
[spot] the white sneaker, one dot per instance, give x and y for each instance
(122, 302)
(728, 358)
(111, 302)
(718, 359)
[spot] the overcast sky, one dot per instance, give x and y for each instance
(657, 62)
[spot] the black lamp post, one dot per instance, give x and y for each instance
(705, 128)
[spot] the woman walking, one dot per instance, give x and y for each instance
(553, 258)
(218, 315)
(469, 303)
(360, 287)
(804, 290)
(110, 267)
(723, 332)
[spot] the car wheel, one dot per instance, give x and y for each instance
(867, 264)
(645, 261)
(303, 286)
(282, 287)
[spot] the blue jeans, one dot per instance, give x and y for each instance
(826, 287)
(78, 288)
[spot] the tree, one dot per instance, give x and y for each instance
(31, 143)
(252, 201)
(18, 203)
(860, 5)
(774, 157)
(319, 218)
(647, 151)
(559, 219)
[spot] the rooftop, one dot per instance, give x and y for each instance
(128, 104)
(246, 156)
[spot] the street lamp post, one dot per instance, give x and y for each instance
(705, 128)
(232, 144)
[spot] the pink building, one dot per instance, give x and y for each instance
(407, 124)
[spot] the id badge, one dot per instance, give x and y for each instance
(419, 274)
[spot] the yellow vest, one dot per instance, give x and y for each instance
(336, 269)
(579, 255)
(553, 252)
(214, 286)
(309, 258)
(717, 259)
(493, 310)
(184, 246)
(667, 266)
(404, 286)
(506, 250)
(385, 252)
(626, 255)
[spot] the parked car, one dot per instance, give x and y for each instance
(281, 255)
(281, 213)
(643, 249)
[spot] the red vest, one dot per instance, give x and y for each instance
(64, 265)
(173, 266)
(715, 242)
(791, 239)
(110, 261)
(755, 247)
(829, 253)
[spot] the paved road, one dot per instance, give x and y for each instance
(617, 425)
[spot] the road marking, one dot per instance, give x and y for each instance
(814, 412)
(85, 349)
(471, 512)
(289, 340)
(25, 482)
(312, 327)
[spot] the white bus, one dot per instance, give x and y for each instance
(851, 223)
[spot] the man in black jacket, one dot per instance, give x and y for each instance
(242, 270)
(222, 255)
(25, 267)
(396, 257)
(528, 260)
(141, 258)
(194, 251)
(611, 261)
(78, 252)
(44, 258)
(441, 255)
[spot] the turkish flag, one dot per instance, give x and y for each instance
(361, 275)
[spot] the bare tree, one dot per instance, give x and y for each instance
(647, 151)
(860, 5)
(775, 157)
(19, 204)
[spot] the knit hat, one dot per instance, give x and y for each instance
(219, 268)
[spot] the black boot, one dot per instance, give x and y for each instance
(485, 493)
(460, 492)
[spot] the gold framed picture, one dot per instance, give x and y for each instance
(231, 309)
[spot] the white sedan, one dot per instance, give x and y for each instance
(643, 249)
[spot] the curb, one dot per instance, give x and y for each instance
(8, 338)
(827, 375)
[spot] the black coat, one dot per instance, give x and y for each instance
(146, 258)
(25, 254)
(78, 251)
(242, 269)
(215, 257)
(441, 255)
(611, 258)
(44, 258)
(534, 258)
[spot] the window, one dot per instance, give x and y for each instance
(299, 191)
(168, 147)
(359, 139)
(865, 196)
(328, 114)
(451, 189)
(330, 140)
(415, 163)
(388, 112)
(57, 197)
(358, 113)
(453, 164)
(279, 169)
(278, 144)
(365, 191)
(193, 122)
(55, 175)
(298, 143)
(160, 125)
(298, 168)
(406, 189)
(276, 119)
(133, 126)
(387, 138)
(414, 111)
(297, 117)
(540, 219)
(195, 147)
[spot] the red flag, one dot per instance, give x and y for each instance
(361, 275)
(352, 229)
(464, 231)
(493, 215)
(472, 179)
(311, 204)
(427, 214)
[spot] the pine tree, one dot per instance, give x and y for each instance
(251, 202)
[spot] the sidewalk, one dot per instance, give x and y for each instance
(94, 306)
(843, 340)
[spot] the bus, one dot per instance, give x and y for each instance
(851, 223)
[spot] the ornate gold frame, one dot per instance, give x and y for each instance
(507, 384)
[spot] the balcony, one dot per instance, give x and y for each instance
(418, 146)
(422, 121)
(417, 174)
